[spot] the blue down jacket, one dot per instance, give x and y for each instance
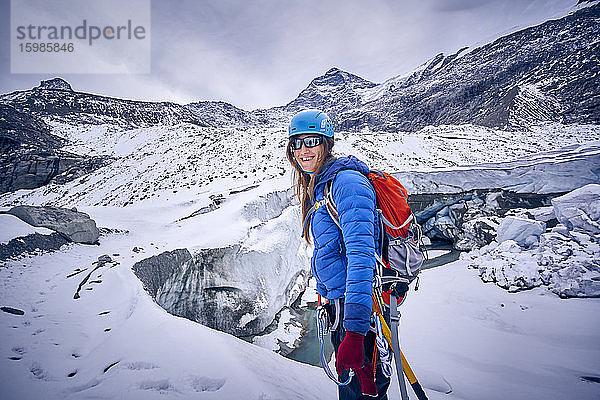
(343, 263)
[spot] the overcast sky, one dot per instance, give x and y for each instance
(259, 54)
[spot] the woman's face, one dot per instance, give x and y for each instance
(308, 157)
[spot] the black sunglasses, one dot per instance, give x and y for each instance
(310, 141)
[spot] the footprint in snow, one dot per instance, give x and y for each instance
(39, 372)
(206, 384)
(19, 351)
(162, 385)
(434, 381)
(140, 365)
(80, 388)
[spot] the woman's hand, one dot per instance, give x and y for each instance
(350, 352)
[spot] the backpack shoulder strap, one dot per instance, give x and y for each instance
(331, 207)
(326, 201)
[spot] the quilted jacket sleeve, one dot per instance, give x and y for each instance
(355, 200)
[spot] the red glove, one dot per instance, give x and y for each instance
(350, 352)
(366, 378)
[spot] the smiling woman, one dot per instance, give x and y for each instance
(343, 260)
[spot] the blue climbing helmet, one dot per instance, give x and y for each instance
(311, 121)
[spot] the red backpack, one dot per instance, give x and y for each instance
(401, 247)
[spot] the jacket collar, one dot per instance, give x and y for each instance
(334, 165)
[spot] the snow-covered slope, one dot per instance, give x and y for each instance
(114, 342)
(185, 162)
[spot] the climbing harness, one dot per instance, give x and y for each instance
(323, 328)
(383, 348)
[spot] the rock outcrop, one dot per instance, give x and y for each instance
(30, 244)
(75, 226)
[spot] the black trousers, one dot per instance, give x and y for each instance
(352, 391)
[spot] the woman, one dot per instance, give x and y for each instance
(343, 260)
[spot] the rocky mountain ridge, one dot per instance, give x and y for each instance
(56, 99)
(547, 72)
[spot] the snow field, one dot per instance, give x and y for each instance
(115, 342)
(492, 344)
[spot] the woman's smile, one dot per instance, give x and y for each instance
(308, 157)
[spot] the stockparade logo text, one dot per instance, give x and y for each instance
(81, 32)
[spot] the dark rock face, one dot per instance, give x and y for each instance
(79, 167)
(156, 270)
(74, 225)
(31, 244)
(55, 84)
(22, 129)
(469, 220)
(30, 155)
(33, 169)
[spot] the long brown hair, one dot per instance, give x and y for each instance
(304, 184)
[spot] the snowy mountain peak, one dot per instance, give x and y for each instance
(336, 76)
(334, 92)
(55, 84)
